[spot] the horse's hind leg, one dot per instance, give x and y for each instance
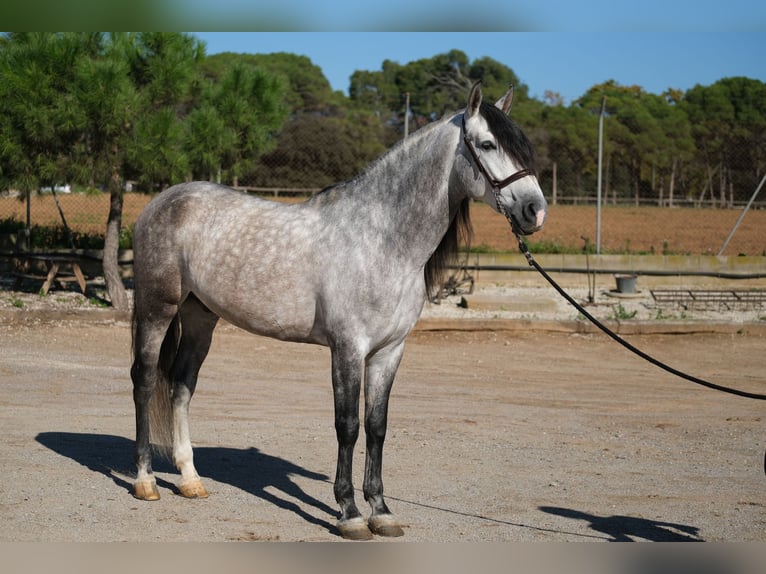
(151, 339)
(197, 325)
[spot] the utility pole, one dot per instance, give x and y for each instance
(598, 186)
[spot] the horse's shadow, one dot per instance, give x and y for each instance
(626, 528)
(250, 470)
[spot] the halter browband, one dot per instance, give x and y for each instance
(494, 182)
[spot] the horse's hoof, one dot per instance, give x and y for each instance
(194, 489)
(385, 525)
(354, 529)
(146, 491)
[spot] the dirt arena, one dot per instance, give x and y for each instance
(493, 436)
(504, 435)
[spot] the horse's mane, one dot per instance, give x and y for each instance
(460, 230)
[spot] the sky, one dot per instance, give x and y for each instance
(392, 15)
(479, 15)
(568, 63)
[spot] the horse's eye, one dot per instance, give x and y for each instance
(488, 145)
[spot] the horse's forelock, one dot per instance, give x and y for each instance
(509, 136)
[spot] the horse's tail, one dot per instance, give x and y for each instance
(161, 403)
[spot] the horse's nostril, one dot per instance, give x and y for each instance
(534, 213)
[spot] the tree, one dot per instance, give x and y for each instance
(633, 131)
(208, 141)
(674, 147)
(303, 157)
(40, 116)
(133, 91)
(572, 142)
(110, 105)
(304, 86)
(163, 71)
(728, 123)
(249, 103)
(436, 85)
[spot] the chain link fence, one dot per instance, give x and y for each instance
(74, 217)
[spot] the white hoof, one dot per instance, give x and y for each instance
(385, 525)
(354, 529)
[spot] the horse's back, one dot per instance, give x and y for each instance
(188, 204)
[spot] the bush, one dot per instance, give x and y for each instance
(55, 237)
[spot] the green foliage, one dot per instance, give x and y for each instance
(96, 109)
(728, 121)
(50, 237)
(436, 85)
(40, 118)
(11, 225)
(303, 157)
(304, 86)
(622, 314)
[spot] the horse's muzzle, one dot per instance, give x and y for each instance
(529, 219)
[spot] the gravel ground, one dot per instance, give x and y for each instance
(513, 433)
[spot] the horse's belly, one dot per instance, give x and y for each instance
(289, 318)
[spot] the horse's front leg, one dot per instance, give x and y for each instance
(379, 378)
(347, 369)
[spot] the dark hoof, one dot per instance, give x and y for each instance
(385, 525)
(354, 529)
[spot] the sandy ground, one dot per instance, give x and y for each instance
(512, 434)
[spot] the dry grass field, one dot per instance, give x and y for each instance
(634, 229)
(631, 229)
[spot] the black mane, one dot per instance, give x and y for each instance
(460, 230)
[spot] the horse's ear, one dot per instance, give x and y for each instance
(506, 101)
(474, 100)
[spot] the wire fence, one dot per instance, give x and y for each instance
(650, 205)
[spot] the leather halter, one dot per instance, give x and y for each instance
(497, 184)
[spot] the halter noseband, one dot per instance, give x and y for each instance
(496, 184)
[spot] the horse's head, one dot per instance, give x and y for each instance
(502, 163)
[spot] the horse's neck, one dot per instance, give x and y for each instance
(412, 179)
(400, 202)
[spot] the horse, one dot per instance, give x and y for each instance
(349, 268)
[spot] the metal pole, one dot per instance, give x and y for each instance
(598, 186)
(742, 215)
(28, 228)
(406, 114)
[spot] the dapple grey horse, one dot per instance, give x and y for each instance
(349, 268)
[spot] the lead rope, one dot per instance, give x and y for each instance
(525, 251)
